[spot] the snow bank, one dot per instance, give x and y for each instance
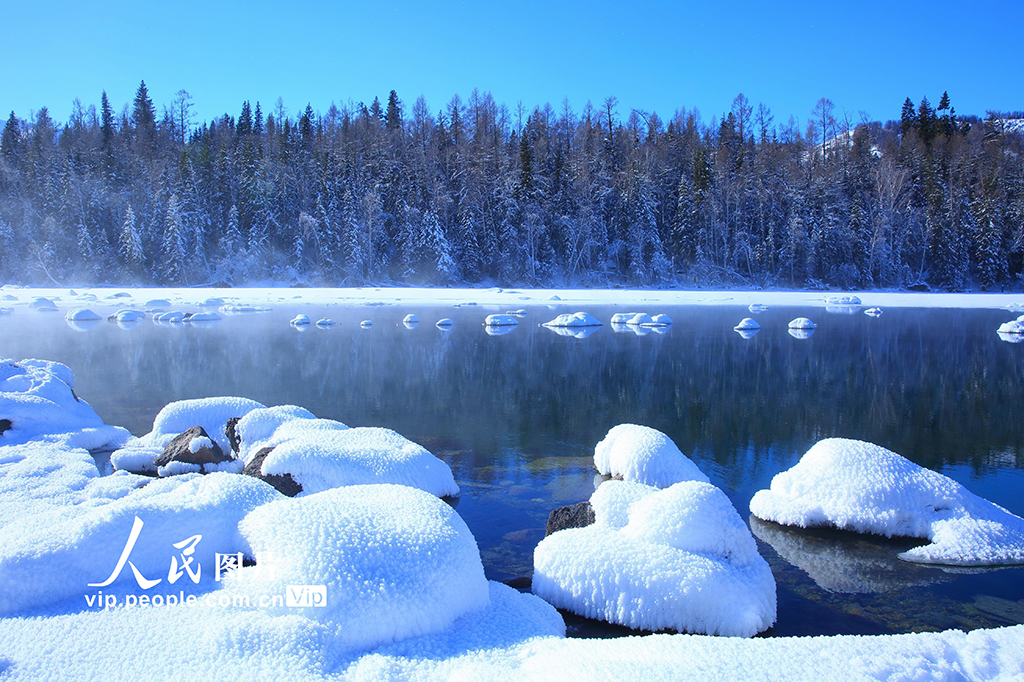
(574, 320)
(47, 563)
(36, 400)
(684, 561)
(865, 488)
(644, 455)
(319, 457)
(210, 413)
(396, 562)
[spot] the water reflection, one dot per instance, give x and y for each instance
(801, 334)
(840, 561)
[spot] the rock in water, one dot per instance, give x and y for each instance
(577, 515)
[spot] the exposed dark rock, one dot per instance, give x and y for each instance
(522, 584)
(577, 515)
(231, 431)
(283, 483)
(918, 286)
(179, 450)
(5, 425)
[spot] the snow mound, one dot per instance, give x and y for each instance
(623, 318)
(129, 315)
(47, 563)
(613, 500)
(321, 457)
(210, 413)
(500, 321)
(256, 428)
(660, 320)
(747, 324)
(644, 455)
(158, 303)
(574, 320)
(299, 320)
(410, 318)
(206, 316)
(801, 323)
(1011, 327)
(37, 400)
(396, 562)
(859, 486)
(366, 324)
(683, 561)
(444, 323)
(325, 322)
(757, 308)
(81, 315)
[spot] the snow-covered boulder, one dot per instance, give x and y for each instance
(500, 321)
(255, 430)
(37, 400)
(747, 324)
(396, 562)
(411, 319)
(82, 315)
(873, 312)
(300, 320)
(172, 316)
(193, 448)
(644, 455)
(623, 318)
(757, 308)
(445, 324)
(801, 323)
(129, 315)
(679, 558)
(366, 324)
(325, 323)
(862, 487)
(574, 320)
(660, 320)
(158, 303)
(40, 303)
(640, 320)
(319, 455)
(1011, 327)
(212, 414)
(205, 316)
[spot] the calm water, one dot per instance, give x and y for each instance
(517, 416)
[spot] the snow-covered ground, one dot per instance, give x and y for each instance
(17, 297)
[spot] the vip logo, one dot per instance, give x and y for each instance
(306, 595)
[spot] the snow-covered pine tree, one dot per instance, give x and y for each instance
(130, 243)
(173, 266)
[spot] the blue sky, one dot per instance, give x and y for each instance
(866, 57)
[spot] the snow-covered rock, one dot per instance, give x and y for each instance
(256, 428)
(37, 400)
(319, 457)
(801, 323)
(158, 303)
(366, 324)
(445, 323)
(325, 322)
(848, 300)
(205, 316)
(1011, 327)
(623, 318)
(660, 320)
(757, 308)
(41, 303)
(396, 562)
(747, 324)
(683, 560)
(500, 321)
(862, 487)
(873, 312)
(172, 316)
(644, 455)
(410, 318)
(129, 315)
(236, 309)
(82, 315)
(212, 414)
(580, 319)
(300, 320)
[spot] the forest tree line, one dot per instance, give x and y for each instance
(478, 193)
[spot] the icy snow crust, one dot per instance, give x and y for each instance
(644, 455)
(684, 560)
(859, 486)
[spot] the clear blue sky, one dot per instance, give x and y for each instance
(865, 56)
